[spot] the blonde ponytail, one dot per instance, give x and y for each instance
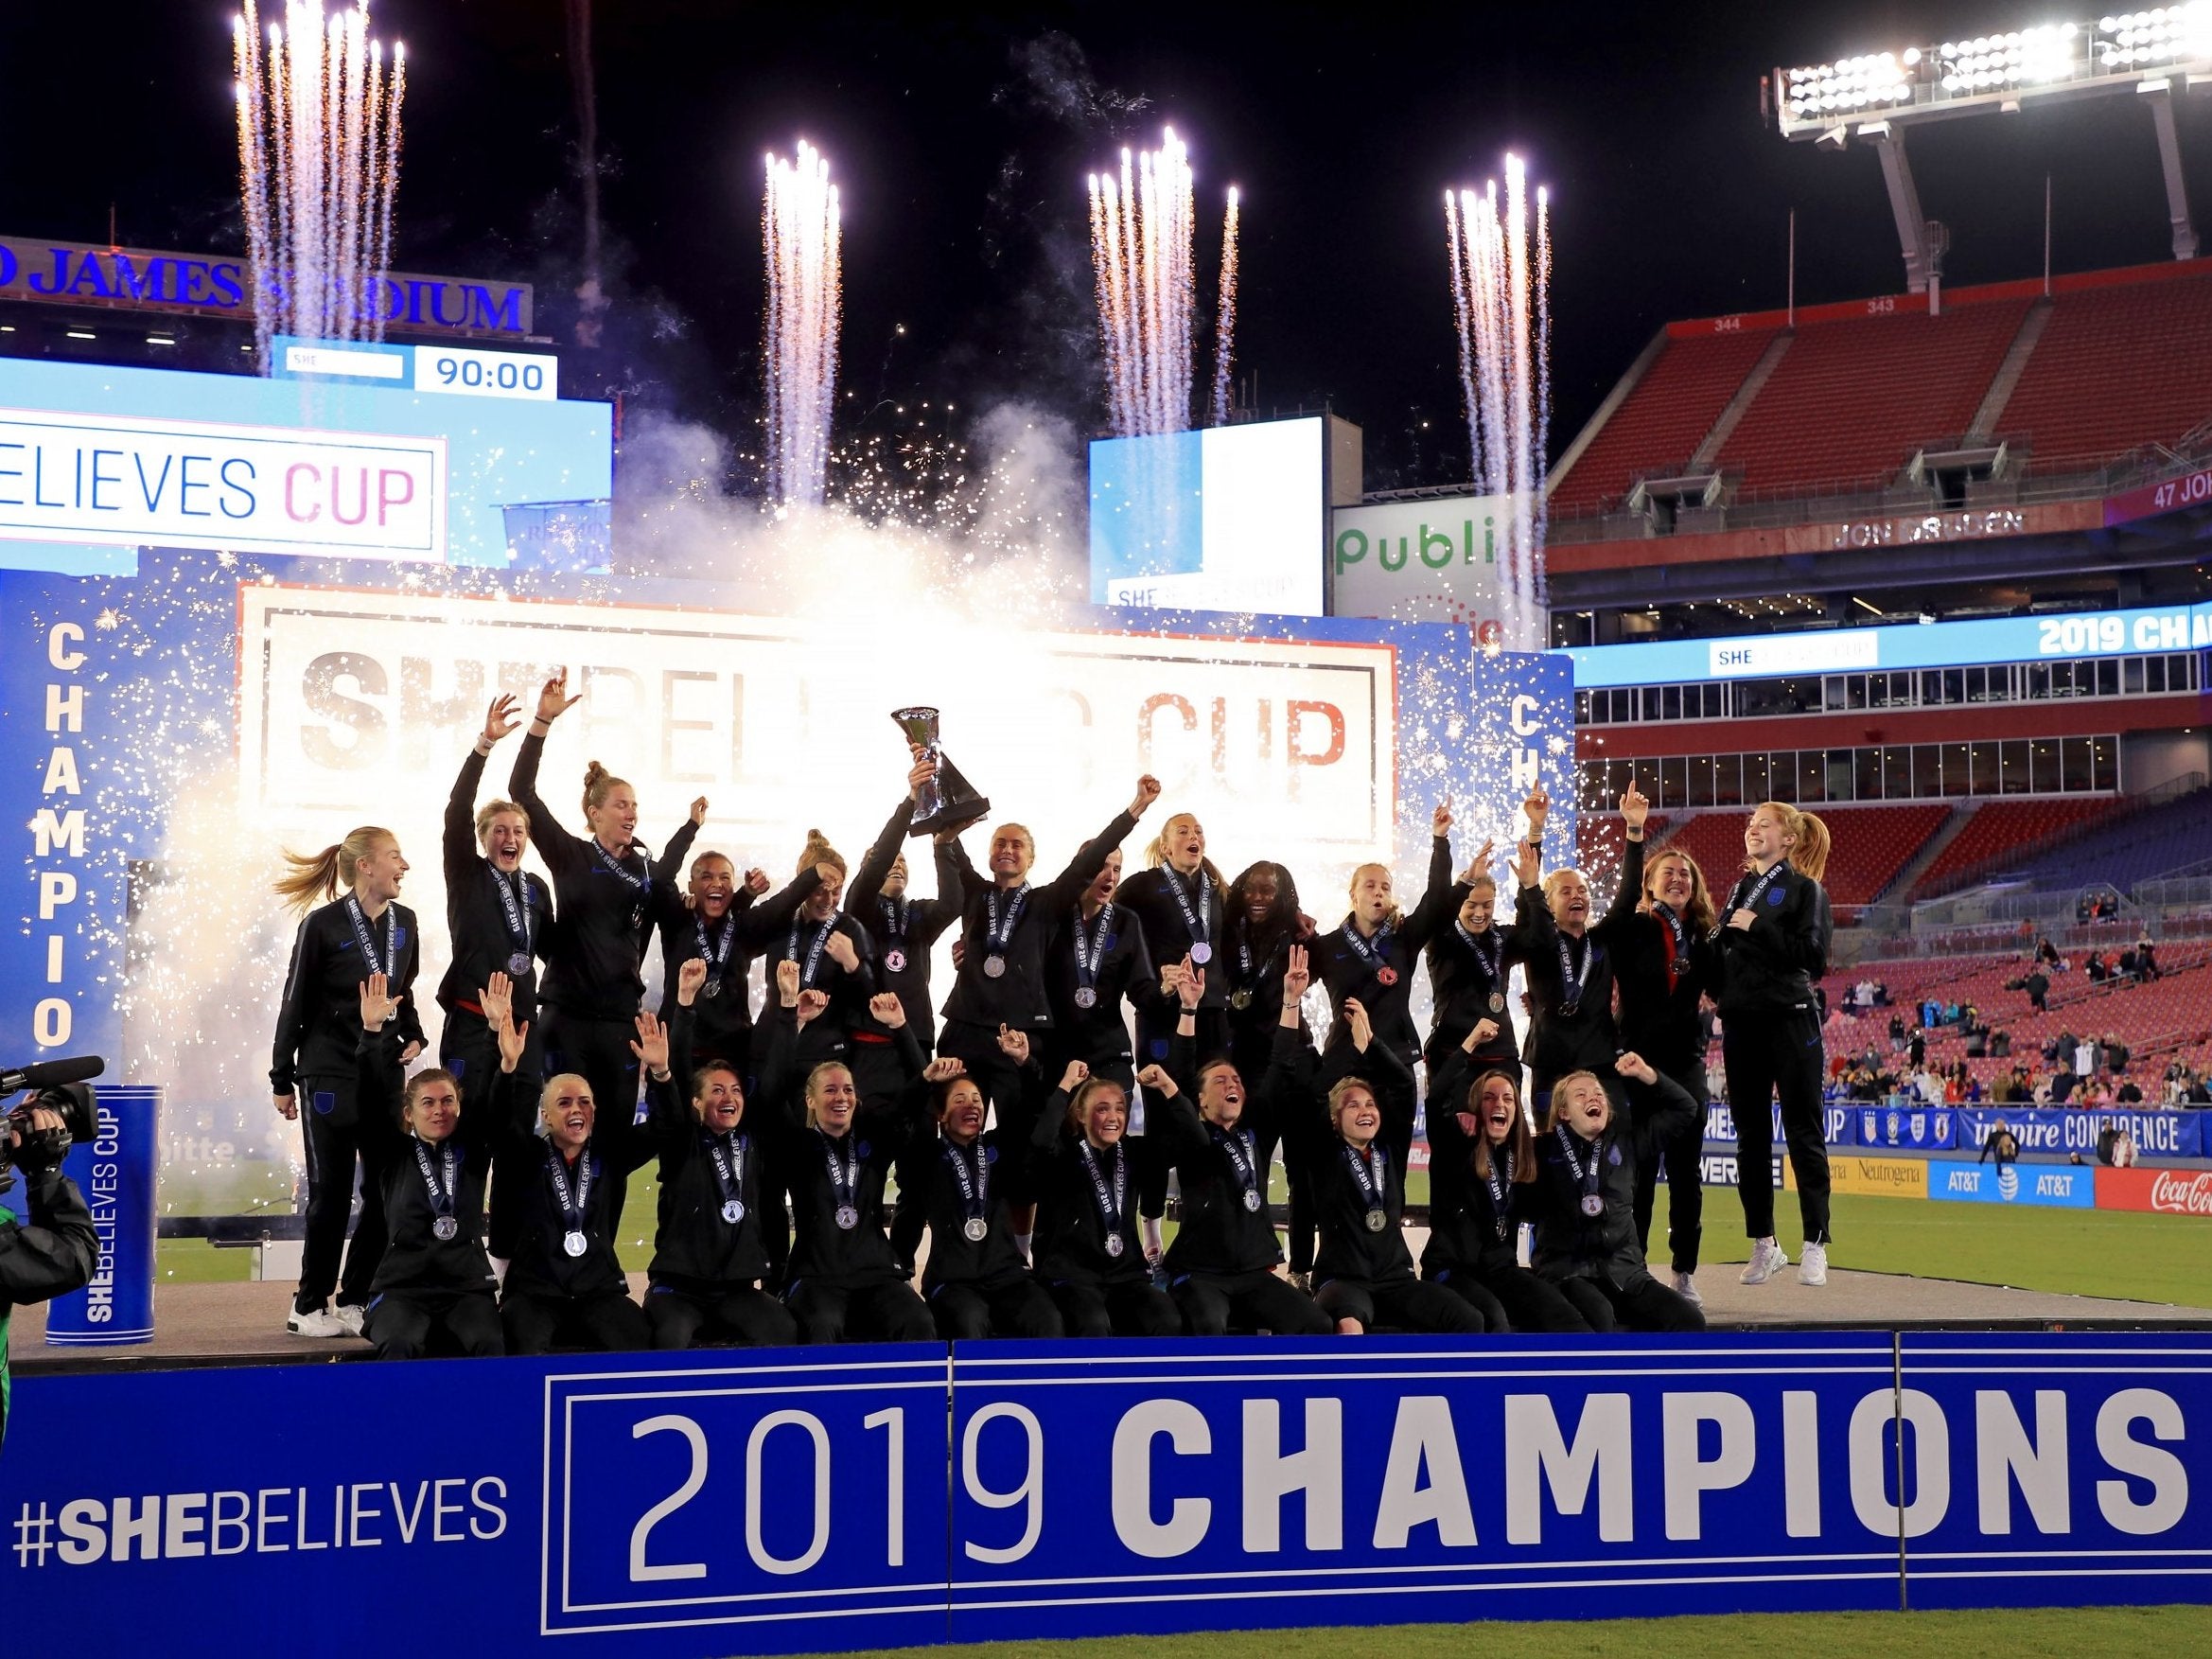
(315, 878)
(598, 785)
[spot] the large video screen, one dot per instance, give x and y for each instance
(1229, 518)
(99, 462)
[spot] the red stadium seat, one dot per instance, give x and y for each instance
(1872, 845)
(2116, 368)
(1852, 401)
(1663, 420)
(2000, 829)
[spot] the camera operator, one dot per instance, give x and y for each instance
(47, 1247)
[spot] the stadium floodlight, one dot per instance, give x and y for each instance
(1876, 97)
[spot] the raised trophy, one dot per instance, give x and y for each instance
(947, 802)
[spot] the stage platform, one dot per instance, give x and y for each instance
(242, 1324)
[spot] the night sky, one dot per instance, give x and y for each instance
(960, 136)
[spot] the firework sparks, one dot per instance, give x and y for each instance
(1501, 300)
(1143, 221)
(1225, 313)
(799, 230)
(317, 128)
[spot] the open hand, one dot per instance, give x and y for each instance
(501, 719)
(554, 700)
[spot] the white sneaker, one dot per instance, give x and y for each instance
(1766, 1260)
(1813, 1265)
(353, 1316)
(319, 1323)
(1686, 1287)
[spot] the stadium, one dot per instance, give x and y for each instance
(1928, 569)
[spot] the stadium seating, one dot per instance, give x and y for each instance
(2000, 829)
(2161, 1021)
(2116, 367)
(1872, 845)
(1664, 419)
(2137, 846)
(1851, 400)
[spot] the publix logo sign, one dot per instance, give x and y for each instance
(1436, 547)
(1434, 560)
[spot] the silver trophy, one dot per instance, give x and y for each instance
(947, 802)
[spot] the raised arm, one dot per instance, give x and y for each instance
(1090, 856)
(1437, 905)
(1634, 810)
(553, 843)
(668, 867)
(763, 919)
(866, 885)
(1663, 1108)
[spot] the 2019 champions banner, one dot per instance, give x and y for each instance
(811, 1499)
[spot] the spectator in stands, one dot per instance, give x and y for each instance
(2014, 1090)
(1897, 1034)
(2048, 954)
(2097, 971)
(2000, 1045)
(2094, 1093)
(1916, 1049)
(1976, 1042)
(2116, 1054)
(2088, 1057)
(1881, 994)
(2129, 1093)
(2064, 1081)
(2146, 958)
(2038, 986)
(1865, 1084)
(2199, 1092)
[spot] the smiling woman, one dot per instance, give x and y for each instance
(340, 945)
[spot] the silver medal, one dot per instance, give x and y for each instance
(1201, 953)
(445, 1227)
(732, 1211)
(1114, 1245)
(519, 964)
(575, 1243)
(714, 988)
(894, 960)
(1377, 1221)
(847, 1217)
(1239, 1000)
(1086, 997)
(1592, 1204)
(995, 967)
(973, 1228)
(1250, 1199)
(1496, 1003)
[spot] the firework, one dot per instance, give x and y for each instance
(1501, 300)
(317, 127)
(1143, 222)
(1225, 313)
(800, 231)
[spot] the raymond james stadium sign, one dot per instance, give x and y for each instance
(207, 285)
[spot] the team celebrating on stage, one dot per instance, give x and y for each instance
(1033, 1127)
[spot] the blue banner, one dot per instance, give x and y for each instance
(1837, 1124)
(1924, 1128)
(805, 1500)
(118, 1173)
(2158, 1135)
(2059, 1186)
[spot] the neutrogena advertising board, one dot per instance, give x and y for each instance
(1228, 518)
(98, 462)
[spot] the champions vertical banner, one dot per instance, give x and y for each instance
(807, 1499)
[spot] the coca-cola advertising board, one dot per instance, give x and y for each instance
(2163, 1191)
